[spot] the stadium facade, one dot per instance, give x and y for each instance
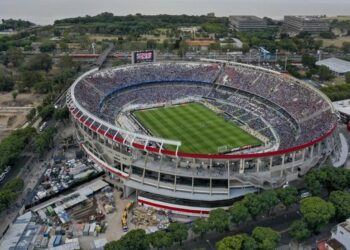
(296, 123)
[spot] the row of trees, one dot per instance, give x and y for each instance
(43, 141)
(138, 240)
(12, 146)
(261, 238)
(10, 192)
(107, 23)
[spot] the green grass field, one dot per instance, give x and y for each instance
(198, 128)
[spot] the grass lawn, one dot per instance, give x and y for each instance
(198, 128)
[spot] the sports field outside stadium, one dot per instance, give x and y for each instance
(200, 129)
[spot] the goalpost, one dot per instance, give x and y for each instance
(222, 149)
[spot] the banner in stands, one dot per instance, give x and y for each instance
(143, 56)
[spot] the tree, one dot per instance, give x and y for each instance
(67, 63)
(252, 203)
(201, 227)
(14, 56)
(299, 231)
(30, 116)
(14, 95)
(268, 200)
(43, 141)
(10, 192)
(61, 114)
(46, 112)
(218, 220)
(346, 47)
(12, 145)
(313, 183)
(347, 77)
(178, 231)
(239, 213)
(133, 240)
(47, 47)
(40, 62)
(237, 242)
(324, 73)
(308, 61)
(266, 238)
(160, 239)
(316, 212)
(43, 87)
(287, 196)
(6, 82)
(29, 78)
(341, 202)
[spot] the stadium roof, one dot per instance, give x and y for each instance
(336, 65)
(343, 106)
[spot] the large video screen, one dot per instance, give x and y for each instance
(143, 56)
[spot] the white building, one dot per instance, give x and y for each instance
(336, 65)
(342, 233)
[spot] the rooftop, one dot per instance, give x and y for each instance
(343, 106)
(246, 18)
(307, 18)
(346, 225)
(337, 65)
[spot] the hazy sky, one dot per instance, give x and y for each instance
(46, 11)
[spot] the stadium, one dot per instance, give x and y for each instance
(193, 136)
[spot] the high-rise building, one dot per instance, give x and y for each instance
(247, 23)
(311, 24)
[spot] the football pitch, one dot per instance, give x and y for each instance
(199, 129)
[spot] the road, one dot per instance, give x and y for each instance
(31, 173)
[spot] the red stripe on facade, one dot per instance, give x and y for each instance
(172, 208)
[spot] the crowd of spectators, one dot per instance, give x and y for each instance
(104, 93)
(153, 94)
(292, 96)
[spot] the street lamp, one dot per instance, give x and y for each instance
(211, 247)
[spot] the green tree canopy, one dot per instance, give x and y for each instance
(299, 231)
(308, 61)
(6, 82)
(133, 240)
(237, 242)
(40, 62)
(254, 205)
(219, 220)
(324, 73)
(239, 213)
(347, 77)
(14, 56)
(160, 239)
(47, 47)
(266, 238)
(287, 196)
(201, 227)
(316, 212)
(341, 202)
(46, 111)
(178, 231)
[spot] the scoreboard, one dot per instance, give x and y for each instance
(143, 56)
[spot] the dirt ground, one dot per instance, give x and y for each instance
(338, 42)
(13, 112)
